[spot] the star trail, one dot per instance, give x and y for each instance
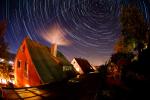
(91, 26)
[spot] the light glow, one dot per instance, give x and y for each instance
(27, 85)
(56, 36)
(11, 62)
(78, 69)
(1, 60)
(3, 81)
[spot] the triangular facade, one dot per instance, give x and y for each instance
(34, 64)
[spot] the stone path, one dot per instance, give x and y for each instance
(26, 94)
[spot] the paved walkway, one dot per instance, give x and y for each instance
(26, 94)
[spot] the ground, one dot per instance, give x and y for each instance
(86, 87)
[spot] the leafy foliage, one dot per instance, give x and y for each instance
(125, 45)
(135, 31)
(117, 58)
(5, 69)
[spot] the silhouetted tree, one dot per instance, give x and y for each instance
(122, 58)
(3, 44)
(135, 31)
(124, 45)
(103, 74)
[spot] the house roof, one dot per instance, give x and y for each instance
(85, 65)
(46, 65)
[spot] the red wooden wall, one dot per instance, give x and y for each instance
(32, 79)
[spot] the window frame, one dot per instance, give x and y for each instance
(18, 64)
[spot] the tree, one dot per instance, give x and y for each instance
(121, 58)
(124, 45)
(3, 25)
(103, 74)
(148, 37)
(3, 44)
(4, 71)
(135, 31)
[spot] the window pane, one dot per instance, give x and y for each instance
(18, 64)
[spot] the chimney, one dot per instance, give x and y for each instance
(54, 49)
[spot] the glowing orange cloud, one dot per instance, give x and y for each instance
(56, 35)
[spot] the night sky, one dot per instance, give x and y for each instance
(90, 26)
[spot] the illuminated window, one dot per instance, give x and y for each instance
(18, 63)
(67, 68)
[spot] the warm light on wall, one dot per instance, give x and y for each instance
(76, 66)
(27, 85)
(77, 69)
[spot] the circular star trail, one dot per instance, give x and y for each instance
(92, 26)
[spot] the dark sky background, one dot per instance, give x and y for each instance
(92, 26)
